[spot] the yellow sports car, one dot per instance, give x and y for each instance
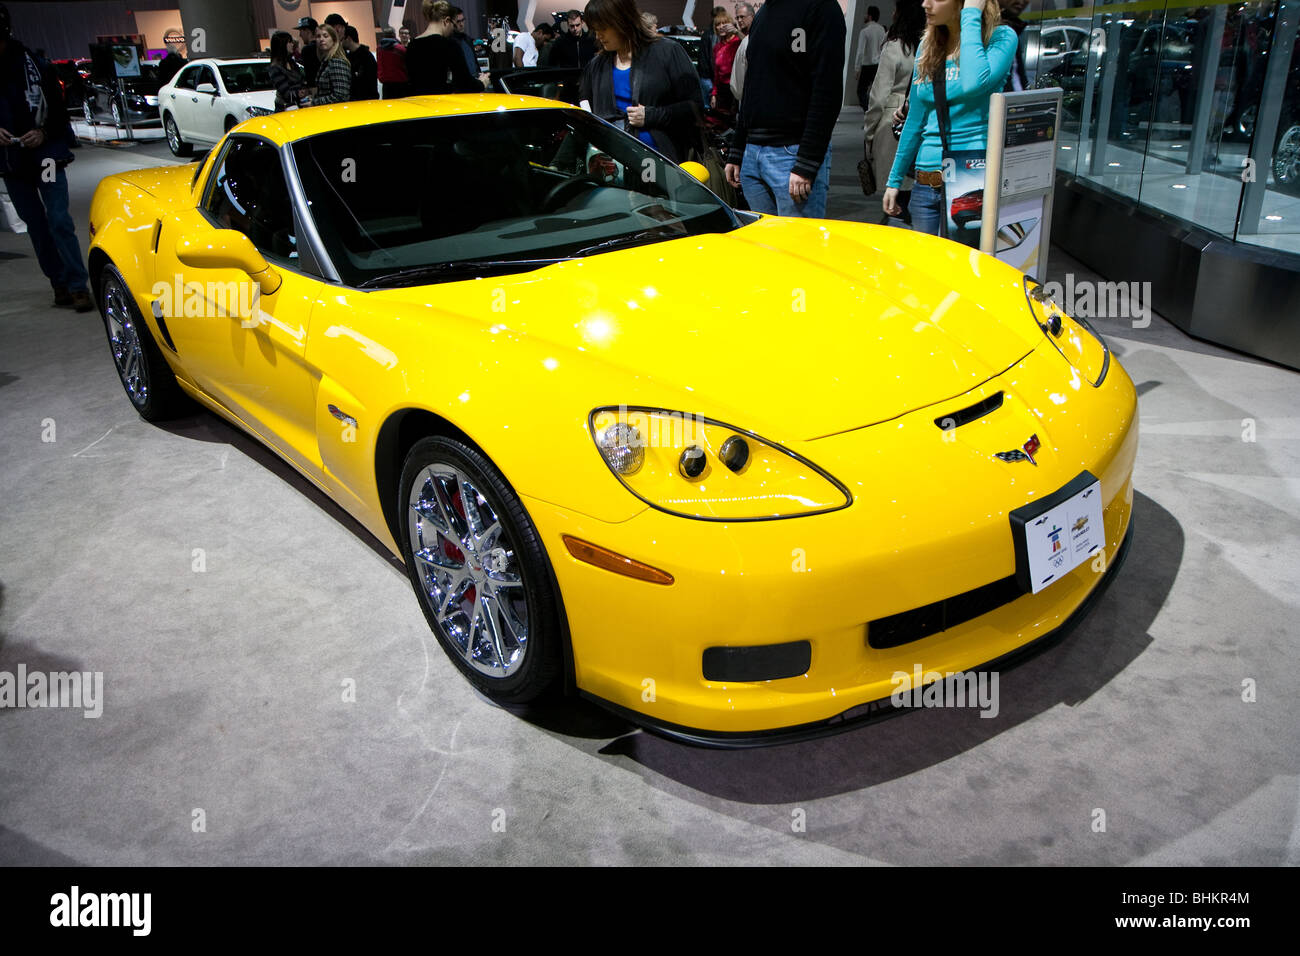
(728, 475)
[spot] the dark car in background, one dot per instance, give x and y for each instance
(139, 99)
(72, 78)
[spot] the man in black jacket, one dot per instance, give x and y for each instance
(577, 47)
(34, 149)
(781, 153)
(308, 54)
(365, 69)
(171, 64)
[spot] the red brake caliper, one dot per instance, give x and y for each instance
(456, 554)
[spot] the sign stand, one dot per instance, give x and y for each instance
(1020, 178)
(126, 62)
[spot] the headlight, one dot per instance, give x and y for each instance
(257, 111)
(1082, 346)
(699, 468)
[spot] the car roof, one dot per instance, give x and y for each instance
(220, 61)
(293, 125)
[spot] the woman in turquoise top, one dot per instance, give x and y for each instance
(964, 36)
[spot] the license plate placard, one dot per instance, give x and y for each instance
(1057, 534)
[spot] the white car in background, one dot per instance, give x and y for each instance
(207, 98)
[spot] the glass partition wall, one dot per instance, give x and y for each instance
(1189, 109)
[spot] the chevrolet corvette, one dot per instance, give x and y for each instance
(727, 475)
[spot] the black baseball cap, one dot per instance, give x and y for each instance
(307, 23)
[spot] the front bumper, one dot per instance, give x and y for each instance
(929, 522)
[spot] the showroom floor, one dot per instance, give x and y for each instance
(229, 605)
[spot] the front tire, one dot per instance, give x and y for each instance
(145, 375)
(177, 145)
(479, 570)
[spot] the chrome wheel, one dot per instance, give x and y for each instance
(1286, 158)
(124, 341)
(467, 570)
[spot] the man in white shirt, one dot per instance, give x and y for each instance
(744, 20)
(870, 40)
(525, 50)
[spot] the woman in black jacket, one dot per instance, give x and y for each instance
(285, 73)
(434, 61)
(641, 81)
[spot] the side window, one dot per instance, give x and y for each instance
(248, 193)
(207, 76)
(186, 80)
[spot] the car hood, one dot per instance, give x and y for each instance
(808, 327)
(261, 98)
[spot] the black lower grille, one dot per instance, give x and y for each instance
(757, 662)
(899, 629)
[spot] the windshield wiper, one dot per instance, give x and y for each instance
(442, 271)
(631, 239)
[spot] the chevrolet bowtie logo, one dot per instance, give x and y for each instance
(1025, 452)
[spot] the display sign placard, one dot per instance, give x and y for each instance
(126, 61)
(1016, 218)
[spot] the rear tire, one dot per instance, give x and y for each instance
(479, 571)
(145, 375)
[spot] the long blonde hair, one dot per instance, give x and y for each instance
(934, 45)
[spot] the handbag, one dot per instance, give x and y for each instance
(964, 170)
(867, 171)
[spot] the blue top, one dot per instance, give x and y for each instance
(978, 73)
(623, 99)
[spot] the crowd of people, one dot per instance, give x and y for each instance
(770, 72)
(779, 98)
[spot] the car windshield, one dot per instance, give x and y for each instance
(246, 77)
(417, 201)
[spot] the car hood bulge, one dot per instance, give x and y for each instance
(795, 325)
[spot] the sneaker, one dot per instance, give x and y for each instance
(81, 301)
(62, 299)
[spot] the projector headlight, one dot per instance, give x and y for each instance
(257, 111)
(1080, 344)
(700, 468)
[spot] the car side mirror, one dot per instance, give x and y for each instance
(228, 249)
(697, 170)
(206, 88)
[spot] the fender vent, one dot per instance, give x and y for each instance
(964, 416)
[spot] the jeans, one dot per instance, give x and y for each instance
(43, 206)
(706, 90)
(765, 181)
(926, 206)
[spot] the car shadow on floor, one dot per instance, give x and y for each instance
(1067, 672)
